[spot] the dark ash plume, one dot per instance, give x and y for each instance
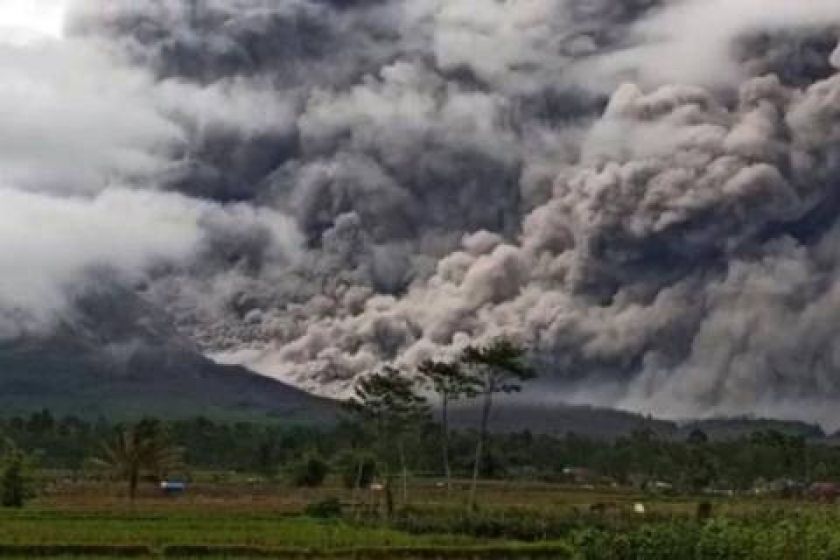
(647, 200)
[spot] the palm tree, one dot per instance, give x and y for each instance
(450, 382)
(138, 449)
(500, 368)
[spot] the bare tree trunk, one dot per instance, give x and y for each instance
(384, 443)
(357, 488)
(404, 473)
(444, 422)
(133, 482)
(389, 496)
(482, 438)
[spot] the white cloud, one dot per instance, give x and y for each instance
(77, 125)
(73, 117)
(48, 243)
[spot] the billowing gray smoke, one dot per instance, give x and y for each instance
(645, 192)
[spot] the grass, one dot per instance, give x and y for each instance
(236, 516)
(158, 530)
(241, 518)
(249, 494)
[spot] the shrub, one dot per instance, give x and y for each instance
(328, 508)
(309, 472)
(74, 550)
(15, 479)
(704, 511)
(357, 469)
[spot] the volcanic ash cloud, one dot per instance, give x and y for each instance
(641, 191)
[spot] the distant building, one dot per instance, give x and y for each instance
(782, 488)
(173, 488)
(659, 487)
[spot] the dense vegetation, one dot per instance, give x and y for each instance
(267, 449)
(772, 537)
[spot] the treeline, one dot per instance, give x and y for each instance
(396, 425)
(68, 442)
(267, 449)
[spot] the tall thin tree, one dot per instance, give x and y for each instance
(451, 382)
(500, 367)
(389, 403)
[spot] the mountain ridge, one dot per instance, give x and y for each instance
(118, 356)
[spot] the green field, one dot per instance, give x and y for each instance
(249, 519)
(204, 528)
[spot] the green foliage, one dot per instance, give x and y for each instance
(784, 535)
(790, 537)
(267, 458)
(450, 380)
(518, 524)
(135, 450)
(389, 403)
(75, 551)
(201, 527)
(500, 366)
(785, 463)
(16, 479)
(13, 493)
(358, 469)
(328, 508)
(310, 471)
(553, 551)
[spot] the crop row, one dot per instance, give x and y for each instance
(525, 552)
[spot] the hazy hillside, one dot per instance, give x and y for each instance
(120, 358)
(605, 423)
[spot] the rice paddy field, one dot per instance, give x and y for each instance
(258, 519)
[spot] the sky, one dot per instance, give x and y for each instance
(27, 20)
